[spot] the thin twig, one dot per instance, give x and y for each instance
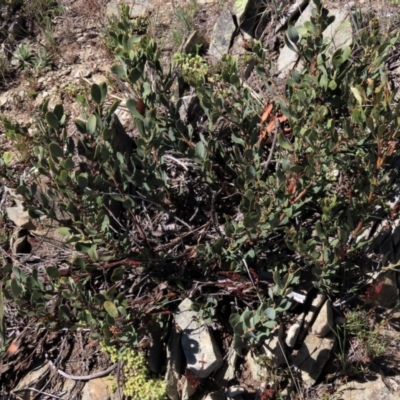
(271, 152)
(36, 391)
(84, 377)
(251, 279)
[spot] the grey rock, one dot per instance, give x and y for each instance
(339, 33)
(35, 379)
(186, 389)
(293, 332)
(222, 35)
(203, 356)
(235, 391)
(100, 389)
(21, 245)
(82, 72)
(215, 396)
(140, 8)
(287, 57)
(227, 372)
(18, 28)
(388, 294)
(312, 357)
(188, 103)
(174, 364)
(274, 347)
(156, 353)
(312, 313)
(19, 216)
(244, 11)
(340, 30)
(365, 390)
(258, 372)
(324, 321)
(194, 39)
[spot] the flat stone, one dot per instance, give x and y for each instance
(312, 313)
(140, 8)
(235, 391)
(99, 78)
(203, 356)
(324, 321)
(293, 332)
(19, 216)
(215, 396)
(374, 388)
(186, 389)
(274, 347)
(340, 30)
(194, 39)
(174, 364)
(99, 389)
(227, 372)
(258, 372)
(339, 34)
(388, 293)
(312, 357)
(222, 35)
(34, 379)
(82, 73)
(287, 57)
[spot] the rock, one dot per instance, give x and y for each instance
(222, 35)
(4, 99)
(112, 9)
(53, 101)
(186, 389)
(21, 243)
(140, 8)
(258, 372)
(19, 216)
(387, 296)
(274, 347)
(68, 387)
(99, 78)
(324, 321)
(99, 389)
(227, 372)
(34, 379)
(287, 57)
(202, 354)
(294, 330)
(312, 313)
(174, 364)
(339, 33)
(340, 30)
(18, 29)
(188, 102)
(312, 357)
(82, 73)
(215, 396)
(365, 390)
(235, 391)
(194, 39)
(243, 9)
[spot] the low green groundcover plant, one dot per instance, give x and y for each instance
(226, 195)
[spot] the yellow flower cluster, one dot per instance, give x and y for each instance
(137, 384)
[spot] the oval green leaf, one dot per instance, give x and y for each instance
(111, 309)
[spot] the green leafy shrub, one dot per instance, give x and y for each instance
(243, 198)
